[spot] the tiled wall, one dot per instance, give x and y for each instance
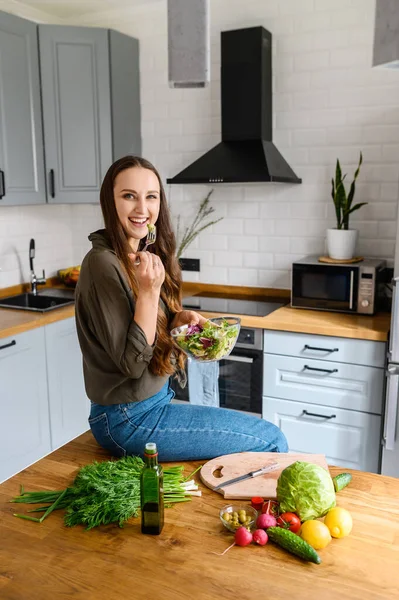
(328, 103)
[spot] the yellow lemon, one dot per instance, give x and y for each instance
(339, 522)
(315, 533)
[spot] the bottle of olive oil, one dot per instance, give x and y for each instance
(151, 492)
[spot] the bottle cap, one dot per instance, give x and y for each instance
(150, 448)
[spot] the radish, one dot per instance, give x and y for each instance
(242, 537)
(260, 537)
(265, 520)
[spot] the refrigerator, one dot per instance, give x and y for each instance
(386, 55)
(390, 437)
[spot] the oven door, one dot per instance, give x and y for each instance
(325, 287)
(240, 380)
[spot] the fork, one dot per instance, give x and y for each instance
(150, 239)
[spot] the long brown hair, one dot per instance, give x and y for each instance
(164, 247)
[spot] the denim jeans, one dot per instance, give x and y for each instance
(181, 432)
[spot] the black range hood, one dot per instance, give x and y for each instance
(246, 153)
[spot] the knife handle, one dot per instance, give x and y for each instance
(267, 469)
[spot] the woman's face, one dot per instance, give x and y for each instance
(137, 200)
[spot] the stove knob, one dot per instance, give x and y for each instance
(365, 303)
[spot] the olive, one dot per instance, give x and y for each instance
(227, 516)
(235, 515)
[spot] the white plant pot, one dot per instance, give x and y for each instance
(341, 243)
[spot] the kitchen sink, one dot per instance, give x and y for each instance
(43, 302)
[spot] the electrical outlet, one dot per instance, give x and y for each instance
(189, 264)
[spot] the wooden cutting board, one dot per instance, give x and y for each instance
(230, 466)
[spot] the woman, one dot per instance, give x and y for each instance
(127, 301)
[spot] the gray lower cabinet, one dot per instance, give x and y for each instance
(43, 403)
(326, 395)
(69, 405)
(22, 178)
(24, 422)
(348, 438)
(91, 107)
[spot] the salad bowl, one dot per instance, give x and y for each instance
(214, 341)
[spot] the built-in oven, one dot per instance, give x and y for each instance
(240, 375)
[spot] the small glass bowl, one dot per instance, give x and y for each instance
(230, 509)
(208, 353)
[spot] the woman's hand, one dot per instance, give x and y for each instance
(188, 317)
(150, 272)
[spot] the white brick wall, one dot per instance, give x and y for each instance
(328, 103)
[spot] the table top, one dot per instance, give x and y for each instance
(49, 561)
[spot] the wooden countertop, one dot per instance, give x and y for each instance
(13, 322)
(374, 328)
(49, 561)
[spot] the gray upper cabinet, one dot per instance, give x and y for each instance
(76, 111)
(125, 94)
(91, 107)
(21, 144)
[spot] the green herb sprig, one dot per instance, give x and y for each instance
(106, 492)
(190, 233)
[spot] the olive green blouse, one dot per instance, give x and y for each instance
(116, 354)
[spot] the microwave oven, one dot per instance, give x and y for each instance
(349, 288)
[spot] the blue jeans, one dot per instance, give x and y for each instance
(181, 432)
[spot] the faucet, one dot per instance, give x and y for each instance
(35, 281)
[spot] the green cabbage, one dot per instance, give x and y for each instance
(305, 489)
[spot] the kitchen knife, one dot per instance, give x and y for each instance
(261, 471)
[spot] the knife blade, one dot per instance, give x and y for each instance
(266, 469)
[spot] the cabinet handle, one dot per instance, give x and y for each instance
(306, 347)
(320, 370)
(309, 414)
(52, 184)
(3, 185)
(13, 343)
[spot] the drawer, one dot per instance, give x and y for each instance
(322, 347)
(321, 382)
(350, 439)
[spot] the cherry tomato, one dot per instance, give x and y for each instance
(271, 507)
(289, 521)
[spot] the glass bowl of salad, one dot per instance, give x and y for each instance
(214, 341)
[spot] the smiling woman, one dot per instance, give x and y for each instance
(125, 310)
(138, 206)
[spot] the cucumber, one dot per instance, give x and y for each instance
(342, 480)
(293, 543)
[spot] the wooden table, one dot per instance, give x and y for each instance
(49, 561)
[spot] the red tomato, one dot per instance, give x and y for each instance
(271, 507)
(289, 521)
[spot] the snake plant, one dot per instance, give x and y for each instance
(342, 201)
